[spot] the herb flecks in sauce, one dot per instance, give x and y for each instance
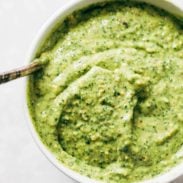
(109, 104)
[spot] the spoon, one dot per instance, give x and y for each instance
(36, 65)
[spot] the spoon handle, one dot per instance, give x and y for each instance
(20, 72)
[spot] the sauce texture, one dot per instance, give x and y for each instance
(109, 104)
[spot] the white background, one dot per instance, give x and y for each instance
(20, 159)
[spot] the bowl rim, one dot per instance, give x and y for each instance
(45, 30)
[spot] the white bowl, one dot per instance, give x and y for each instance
(173, 6)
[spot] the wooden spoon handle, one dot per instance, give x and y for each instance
(20, 72)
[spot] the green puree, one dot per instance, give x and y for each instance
(109, 104)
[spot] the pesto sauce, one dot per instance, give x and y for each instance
(109, 104)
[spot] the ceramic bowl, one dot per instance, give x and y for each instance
(173, 6)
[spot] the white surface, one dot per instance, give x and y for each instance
(20, 159)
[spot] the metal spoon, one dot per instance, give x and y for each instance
(22, 71)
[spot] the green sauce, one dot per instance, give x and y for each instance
(109, 104)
